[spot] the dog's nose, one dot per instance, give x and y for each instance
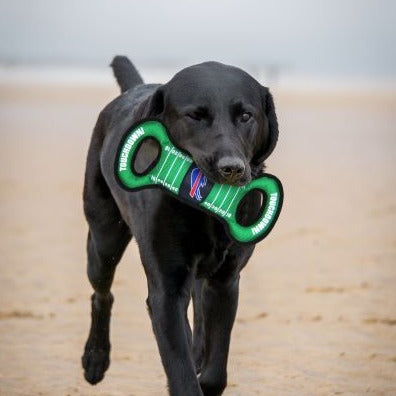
(231, 168)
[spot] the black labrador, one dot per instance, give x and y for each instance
(226, 121)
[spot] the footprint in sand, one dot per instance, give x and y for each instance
(259, 316)
(384, 211)
(336, 289)
(19, 315)
(385, 321)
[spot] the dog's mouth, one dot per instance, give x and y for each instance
(215, 176)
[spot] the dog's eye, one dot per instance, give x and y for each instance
(198, 115)
(195, 116)
(245, 117)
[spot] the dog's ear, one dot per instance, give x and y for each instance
(270, 129)
(153, 106)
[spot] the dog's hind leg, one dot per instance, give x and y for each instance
(108, 237)
(101, 267)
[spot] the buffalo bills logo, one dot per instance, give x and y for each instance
(195, 186)
(197, 181)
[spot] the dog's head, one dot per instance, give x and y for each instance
(221, 116)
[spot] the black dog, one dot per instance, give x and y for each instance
(226, 120)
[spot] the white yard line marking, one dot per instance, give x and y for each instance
(229, 189)
(162, 167)
(177, 174)
(173, 163)
(232, 200)
(218, 192)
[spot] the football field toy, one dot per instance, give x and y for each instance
(174, 170)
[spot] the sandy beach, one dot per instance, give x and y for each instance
(317, 312)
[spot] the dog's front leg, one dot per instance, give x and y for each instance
(219, 303)
(169, 295)
(219, 295)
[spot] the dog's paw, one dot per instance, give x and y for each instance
(211, 387)
(95, 363)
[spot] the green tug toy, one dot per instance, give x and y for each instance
(174, 171)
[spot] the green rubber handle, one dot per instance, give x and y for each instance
(174, 171)
(159, 174)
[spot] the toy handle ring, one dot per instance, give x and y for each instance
(271, 189)
(129, 176)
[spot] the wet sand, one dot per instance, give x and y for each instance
(317, 313)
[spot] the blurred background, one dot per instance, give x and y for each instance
(346, 42)
(317, 311)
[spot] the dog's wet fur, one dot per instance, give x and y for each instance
(226, 121)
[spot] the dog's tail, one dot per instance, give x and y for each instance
(125, 73)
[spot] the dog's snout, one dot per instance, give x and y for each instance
(231, 168)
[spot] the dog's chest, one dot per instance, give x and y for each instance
(209, 264)
(214, 251)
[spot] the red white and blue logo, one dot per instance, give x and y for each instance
(197, 181)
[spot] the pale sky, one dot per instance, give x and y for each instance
(317, 37)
